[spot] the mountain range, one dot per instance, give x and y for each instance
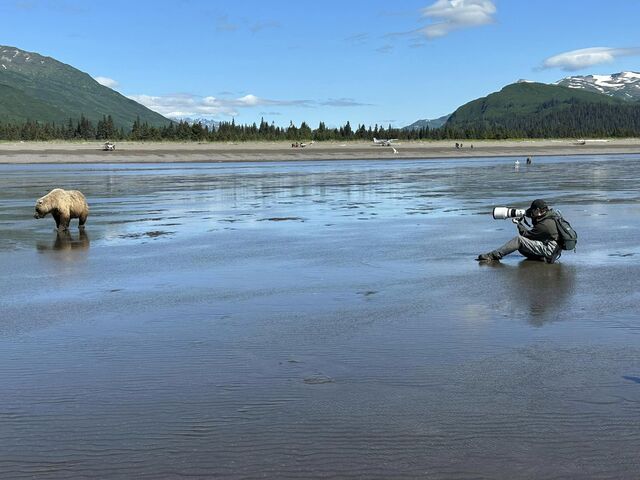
(433, 123)
(35, 87)
(205, 122)
(38, 88)
(526, 97)
(537, 110)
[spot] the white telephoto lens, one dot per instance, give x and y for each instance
(500, 213)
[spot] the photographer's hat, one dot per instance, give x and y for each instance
(539, 204)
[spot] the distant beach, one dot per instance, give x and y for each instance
(159, 152)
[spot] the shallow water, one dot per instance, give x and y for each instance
(319, 320)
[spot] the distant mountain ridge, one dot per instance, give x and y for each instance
(426, 123)
(38, 88)
(523, 98)
(623, 85)
(536, 110)
(620, 86)
(205, 122)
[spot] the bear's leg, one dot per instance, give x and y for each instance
(56, 217)
(64, 222)
(82, 221)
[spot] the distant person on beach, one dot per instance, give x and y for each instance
(538, 243)
(529, 162)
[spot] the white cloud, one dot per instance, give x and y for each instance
(449, 15)
(587, 57)
(106, 81)
(251, 101)
(187, 105)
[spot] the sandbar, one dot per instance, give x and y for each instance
(164, 152)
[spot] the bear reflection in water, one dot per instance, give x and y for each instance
(64, 241)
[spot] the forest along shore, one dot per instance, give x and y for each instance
(159, 152)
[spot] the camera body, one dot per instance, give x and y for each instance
(502, 213)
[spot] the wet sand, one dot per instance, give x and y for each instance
(158, 152)
(319, 320)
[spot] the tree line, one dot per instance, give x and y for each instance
(105, 129)
(573, 121)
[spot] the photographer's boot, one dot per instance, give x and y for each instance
(493, 256)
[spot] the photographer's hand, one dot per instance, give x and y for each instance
(521, 228)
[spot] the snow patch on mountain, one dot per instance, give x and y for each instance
(206, 122)
(624, 85)
(14, 57)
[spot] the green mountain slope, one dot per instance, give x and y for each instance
(34, 87)
(539, 110)
(16, 106)
(524, 99)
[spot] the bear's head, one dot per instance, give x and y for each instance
(41, 210)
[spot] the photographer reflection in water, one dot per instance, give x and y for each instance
(538, 243)
(536, 283)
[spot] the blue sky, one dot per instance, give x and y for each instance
(367, 62)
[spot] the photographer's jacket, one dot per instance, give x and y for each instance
(544, 228)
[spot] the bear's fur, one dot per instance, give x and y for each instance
(63, 205)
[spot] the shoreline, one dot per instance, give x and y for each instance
(174, 152)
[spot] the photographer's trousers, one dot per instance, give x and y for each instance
(527, 247)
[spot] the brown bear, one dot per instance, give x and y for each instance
(63, 205)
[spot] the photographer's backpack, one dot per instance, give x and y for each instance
(567, 236)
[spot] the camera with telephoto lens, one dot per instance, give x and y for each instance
(502, 213)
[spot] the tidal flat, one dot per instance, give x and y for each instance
(319, 320)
